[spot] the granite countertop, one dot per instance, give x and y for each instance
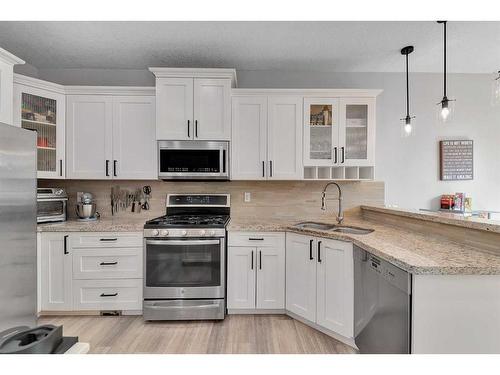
(449, 218)
(414, 252)
(113, 224)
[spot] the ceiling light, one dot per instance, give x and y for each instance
(408, 122)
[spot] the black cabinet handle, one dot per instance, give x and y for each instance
(108, 263)
(335, 155)
(60, 167)
(223, 161)
(343, 154)
(311, 250)
(263, 169)
(108, 239)
(66, 244)
(260, 260)
(196, 128)
(188, 129)
(270, 168)
(255, 239)
(319, 251)
(114, 168)
(252, 261)
(107, 168)
(109, 295)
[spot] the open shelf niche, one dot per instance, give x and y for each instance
(338, 173)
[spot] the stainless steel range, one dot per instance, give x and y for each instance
(185, 259)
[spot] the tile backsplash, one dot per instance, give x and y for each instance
(269, 199)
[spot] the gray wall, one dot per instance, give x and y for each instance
(409, 167)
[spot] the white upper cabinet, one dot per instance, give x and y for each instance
(212, 112)
(7, 62)
(249, 138)
(357, 131)
(284, 137)
(134, 145)
(321, 131)
(111, 137)
(88, 144)
(267, 137)
(193, 104)
(340, 131)
(174, 103)
(40, 106)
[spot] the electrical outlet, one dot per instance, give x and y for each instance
(248, 197)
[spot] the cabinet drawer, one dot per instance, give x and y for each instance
(124, 294)
(109, 263)
(257, 239)
(106, 239)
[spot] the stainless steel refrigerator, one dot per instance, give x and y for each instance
(17, 227)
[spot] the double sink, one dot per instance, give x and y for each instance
(332, 227)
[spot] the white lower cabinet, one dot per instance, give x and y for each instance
(55, 272)
(256, 271)
(90, 271)
(320, 283)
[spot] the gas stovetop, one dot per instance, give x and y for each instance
(188, 221)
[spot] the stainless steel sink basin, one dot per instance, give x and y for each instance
(314, 225)
(332, 227)
(351, 230)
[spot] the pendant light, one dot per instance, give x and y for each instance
(495, 89)
(445, 106)
(408, 122)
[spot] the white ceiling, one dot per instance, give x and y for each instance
(473, 47)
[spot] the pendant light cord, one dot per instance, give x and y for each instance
(407, 90)
(444, 23)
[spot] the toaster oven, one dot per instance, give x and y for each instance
(51, 205)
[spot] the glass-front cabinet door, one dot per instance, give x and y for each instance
(357, 131)
(321, 131)
(42, 111)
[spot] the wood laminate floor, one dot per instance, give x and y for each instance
(240, 334)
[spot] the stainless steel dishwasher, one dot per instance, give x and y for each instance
(382, 305)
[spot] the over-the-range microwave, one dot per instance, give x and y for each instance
(193, 160)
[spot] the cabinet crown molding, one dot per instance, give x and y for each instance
(110, 90)
(195, 73)
(323, 93)
(9, 58)
(38, 83)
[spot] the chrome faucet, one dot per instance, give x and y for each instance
(340, 215)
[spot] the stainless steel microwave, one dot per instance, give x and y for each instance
(193, 160)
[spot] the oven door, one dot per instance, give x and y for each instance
(193, 160)
(184, 268)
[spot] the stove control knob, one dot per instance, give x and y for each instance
(155, 232)
(203, 232)
(164, 232)
(184, 233)
(212, 233)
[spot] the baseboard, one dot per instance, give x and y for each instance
(255, 311)
(336, 336)
(41, 314)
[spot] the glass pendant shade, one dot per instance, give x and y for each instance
(408, 127)
(445, 110)
(495, 89)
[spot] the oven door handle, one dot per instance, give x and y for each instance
(180, 242)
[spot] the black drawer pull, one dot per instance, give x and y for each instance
(255, 239)
(66, 244)
(109, 295)
(108, 239)
(108, 263)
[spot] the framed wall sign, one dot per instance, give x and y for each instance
(457, 161)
